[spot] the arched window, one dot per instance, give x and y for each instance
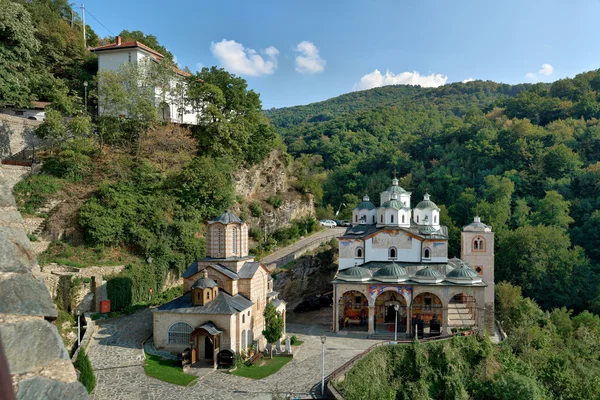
(243, 318)
(219, 240)
(478, 244)
(250, 337)
(392, 252)
(244, 337)
(382, 219)
(402, 218)
(235, 243)
(359, 252)
(207, 295)
(392, 216)
(435, 219)
(417, 218)
(426, 253)
(373, 219)
(179, 333)
(356, 218)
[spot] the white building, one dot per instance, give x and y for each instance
(170, 107)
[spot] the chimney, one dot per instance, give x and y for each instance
(118, 40)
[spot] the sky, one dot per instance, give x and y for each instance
(299, 52)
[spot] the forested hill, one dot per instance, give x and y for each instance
(525, 157)
(456, 98)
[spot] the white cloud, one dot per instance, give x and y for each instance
(240, 60)
(468, 80)
(546, 70)
(199, 67)
(309, 61)
(377, 79)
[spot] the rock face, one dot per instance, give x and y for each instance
(36, 357)
(270, 179)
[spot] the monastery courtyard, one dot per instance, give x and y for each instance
(117, 357)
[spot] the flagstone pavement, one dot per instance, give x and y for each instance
(117, 357)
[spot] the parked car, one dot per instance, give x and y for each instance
(327, 223)
(344, 222)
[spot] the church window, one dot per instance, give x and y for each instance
(427, 253)
(428, 303)
(478, 244)
(235, 241)
(417, 218)
(373, 219)
(356, 218)
(435, 219)
(479, 270)
(220, 241)
(359, 252)
(392, 252)
(402, 218)
(179, 333)
(392, 219)
(207, 295)
(382, 219)
(243, 318)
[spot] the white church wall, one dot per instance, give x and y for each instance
(407, 248)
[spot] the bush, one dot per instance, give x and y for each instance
(275, 201)
(294, 340)
(255, 209)
(86, 373)
(33, 192)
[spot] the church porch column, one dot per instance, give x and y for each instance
(336, 311)
(371, 319)
(444, 319)
(409, 320)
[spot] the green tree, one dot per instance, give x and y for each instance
(147, 39)
(273, 325)
(553, 209)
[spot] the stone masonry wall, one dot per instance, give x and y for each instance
(37, 360)
(16, 133)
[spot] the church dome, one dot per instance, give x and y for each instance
(365, 204)
(395, 188)
(227, 218)
(391, 273)
(355, 274)
(428, 275)
(463, 274)
(427, 204)
(477, 226)
(204, 282)
(428, 230)
(395, 204)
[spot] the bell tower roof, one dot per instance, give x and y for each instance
(227, 218)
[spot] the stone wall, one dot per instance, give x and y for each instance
(37, 360)
(16, 133)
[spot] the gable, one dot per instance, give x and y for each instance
(393, 238)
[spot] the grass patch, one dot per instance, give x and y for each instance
(263, 368)
(82, 256)
(33, 192)
(167, 371)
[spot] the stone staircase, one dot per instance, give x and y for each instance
(459, 316)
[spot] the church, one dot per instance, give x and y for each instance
(225, 295)
(394, 271)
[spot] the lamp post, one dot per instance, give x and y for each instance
(323, 340)
(85, 85)
(396, 308)
(78, 314)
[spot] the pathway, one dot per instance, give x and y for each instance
(320, 237)
(117, 357)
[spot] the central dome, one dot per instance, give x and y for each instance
(428, 275)
(355, 274)
(391, 273)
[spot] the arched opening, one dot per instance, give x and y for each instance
(354, 308)
(235, 241)
(373, 219)
(385, 312)
(226, 358)
(179, 333)
(392, 218)
(381, 219)
(427, 314)
(478, 244)
(356, 218)
(392, 252)
(243, 344)
(427, 253)
(417, 218)
(250, 338)
(435, 219)
(462, 312)
(359, 252)
(403, 218)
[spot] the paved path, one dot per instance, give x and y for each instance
(323, 236)
(117, 357)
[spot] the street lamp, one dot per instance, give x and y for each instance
(396, 308)
(323, 340)
(78, 314)
(85, 85)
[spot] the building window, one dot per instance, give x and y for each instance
(356, 218)
(359, 252)
(435, 219)
(479, 270)
(220, 242)
(235, 244)
(392, 218)
(417, 218)
(373, 219)
(427, 253)
(207, 295)
(243, 319)
(392, 252)
(382, 219)
(179, 333)
(402, 218)
(129, 57)
(478, 244)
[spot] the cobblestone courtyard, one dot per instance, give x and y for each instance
(117, 357)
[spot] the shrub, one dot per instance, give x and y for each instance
(255, 209)
(294, 340)
(33, 192)
(275, 201)
(86, 373)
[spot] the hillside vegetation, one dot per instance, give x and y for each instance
(525, 158)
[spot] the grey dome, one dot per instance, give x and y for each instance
(428, 230)
(396, 189)
(428, 272)
(395, 204)
(227, 218)
(427, 204)
(391, 273)
(355, 274)
(204, 283)
(463, 274)
(365, 205)
(477, 226)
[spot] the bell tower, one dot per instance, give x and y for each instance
(477, 250)
(227, 237)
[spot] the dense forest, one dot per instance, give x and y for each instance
(525, 158)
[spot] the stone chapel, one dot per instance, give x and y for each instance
(394, 266)
(225, 294)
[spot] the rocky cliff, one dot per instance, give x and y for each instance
(37, 360)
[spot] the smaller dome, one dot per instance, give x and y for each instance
(204, 283)
(227, 218)
(477, 226)
(355, 274)
(391, 273)
(463, 274)
(427, 204)
(366, 204)
(395, 204)
(428, 230)
(427, 275)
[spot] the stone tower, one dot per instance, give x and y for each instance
(477, 250)
(227, 237)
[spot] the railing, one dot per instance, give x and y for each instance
(292, 255)
(332, 391)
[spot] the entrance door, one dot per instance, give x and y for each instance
(390, 315)
(208, 348)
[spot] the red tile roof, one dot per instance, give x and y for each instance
(114, 46)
